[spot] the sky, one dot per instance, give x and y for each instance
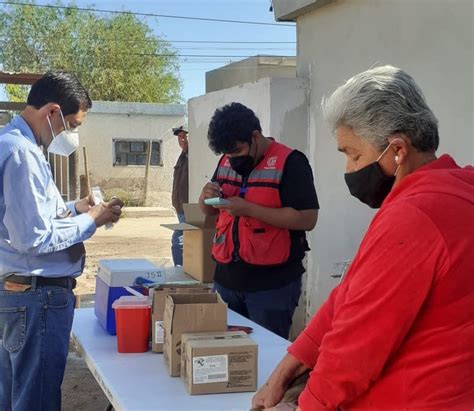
(179, 32)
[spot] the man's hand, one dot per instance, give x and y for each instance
(115, 203)
(237, 207)
(210, 190)
(284, 406)
(268, 396)
(84, 204)
(103, 214)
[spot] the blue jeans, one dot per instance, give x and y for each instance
(272, 309)
(35, 327)
(176, 247)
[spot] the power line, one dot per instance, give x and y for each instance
(216, 68)
(140, 41)
(235, 48)
(258, 49)
(188, 45)
(105, 61)
(168, 16)
(4, 42)
(229, 42)
(127, 54)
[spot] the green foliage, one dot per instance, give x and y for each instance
(17, 94)
(116, 57)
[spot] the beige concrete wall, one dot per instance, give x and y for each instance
(97, 135)
(433, 41)
(289, 10)
(249, 70)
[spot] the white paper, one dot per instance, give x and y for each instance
(98, 199)
(209, 369)
(159, 332)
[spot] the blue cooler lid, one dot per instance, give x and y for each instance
(122, 272)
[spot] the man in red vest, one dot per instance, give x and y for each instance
(260, 237)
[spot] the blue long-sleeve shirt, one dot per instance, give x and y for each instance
(34, 232)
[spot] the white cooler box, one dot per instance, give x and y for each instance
(115, 274)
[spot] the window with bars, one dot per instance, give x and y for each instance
(135, 153)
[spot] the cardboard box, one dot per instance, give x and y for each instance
(158, 308)
(213, 363)
(187, 313)
(198, 236)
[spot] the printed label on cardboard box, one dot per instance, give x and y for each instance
(209, 369)
(159, 332)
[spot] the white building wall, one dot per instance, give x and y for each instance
(104, 125)
(430, 39)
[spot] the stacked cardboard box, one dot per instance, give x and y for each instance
(198, 235)
(158, 308)
(187, 313)
(214, 363)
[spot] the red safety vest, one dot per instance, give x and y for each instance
(246, 238)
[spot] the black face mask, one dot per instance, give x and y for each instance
(242, 165)
(369, 184)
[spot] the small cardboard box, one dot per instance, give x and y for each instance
(213, 363)
(158, 308)
(187, 313)
(198, 235)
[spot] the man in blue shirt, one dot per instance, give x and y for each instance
(41, 244)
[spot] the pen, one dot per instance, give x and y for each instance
(214, 182)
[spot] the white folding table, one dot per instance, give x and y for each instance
(138, 382)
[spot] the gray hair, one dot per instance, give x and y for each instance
(380, 102)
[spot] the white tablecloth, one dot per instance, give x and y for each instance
(137, 382)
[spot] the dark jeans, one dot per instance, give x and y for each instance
(35, 326)
(272, 309)
(176, 247)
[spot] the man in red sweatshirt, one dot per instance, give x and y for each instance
(398, 332)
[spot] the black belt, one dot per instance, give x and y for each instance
(65, 282)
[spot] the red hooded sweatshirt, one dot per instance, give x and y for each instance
(398, 332)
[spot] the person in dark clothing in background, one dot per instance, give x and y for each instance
(260, 237)
(180, 193)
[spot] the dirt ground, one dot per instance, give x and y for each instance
(130, 238)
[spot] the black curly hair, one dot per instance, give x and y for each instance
(229, 125)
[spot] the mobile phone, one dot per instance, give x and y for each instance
(216, 201)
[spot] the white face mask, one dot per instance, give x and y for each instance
(66, 142)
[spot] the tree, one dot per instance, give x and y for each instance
(117, 57)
